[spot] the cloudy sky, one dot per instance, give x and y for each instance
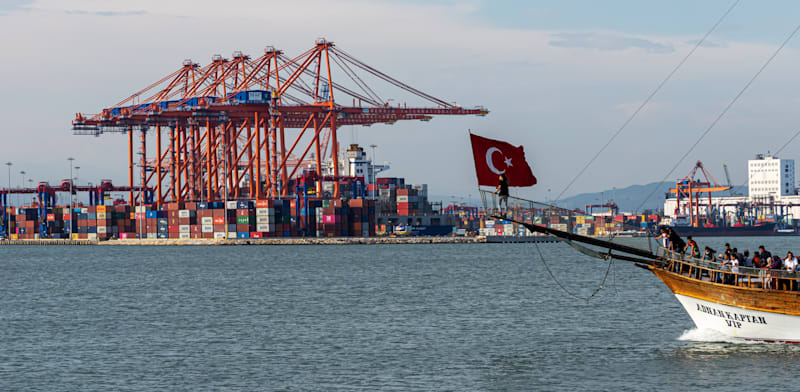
(559, 77)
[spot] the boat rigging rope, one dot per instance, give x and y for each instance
(647, 100)
(586, 251)
(721, 114)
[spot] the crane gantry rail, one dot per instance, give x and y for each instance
(229, 121)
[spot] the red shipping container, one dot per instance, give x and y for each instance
(219, 220)
(255, 234)
(173, 229)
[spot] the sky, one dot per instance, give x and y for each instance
(559, 78)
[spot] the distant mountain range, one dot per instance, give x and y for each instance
(631, 199)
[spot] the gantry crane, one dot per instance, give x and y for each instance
(690, 189)
(229, 121)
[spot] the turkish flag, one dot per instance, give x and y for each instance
(495, 157)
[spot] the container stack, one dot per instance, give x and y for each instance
(24, 224)
(361, 218)
(407, 202)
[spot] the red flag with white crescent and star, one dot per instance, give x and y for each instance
(495, 157)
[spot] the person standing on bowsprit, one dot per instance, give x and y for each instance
(502, 193)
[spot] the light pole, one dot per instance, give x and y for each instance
(22, 198)
(71, 204)
(374, 177)
(8, 215)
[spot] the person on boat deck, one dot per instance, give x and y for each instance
(691, 247)
(765, 255)
(748, 261)
(502, 193)
(774, 263)
(708, 255)
(665, 237)
(727, 248)
(789, 265)
(676, 243)
(734, 263)
(757, 261)
(738, 256)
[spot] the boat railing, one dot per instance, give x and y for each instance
(560, 218)
(721, 273)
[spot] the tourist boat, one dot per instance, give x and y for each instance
(754, 304)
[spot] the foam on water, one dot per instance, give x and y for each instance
(712, 336)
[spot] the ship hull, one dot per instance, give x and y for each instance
(742, 323)
(741, 231)
(749, 313)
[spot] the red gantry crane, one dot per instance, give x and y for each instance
(690, 190)
(227, 125)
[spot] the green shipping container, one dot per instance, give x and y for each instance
(242, 220)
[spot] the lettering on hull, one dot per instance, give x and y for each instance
(734, 320)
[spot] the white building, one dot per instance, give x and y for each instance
(770, 176)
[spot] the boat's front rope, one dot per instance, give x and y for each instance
(608, 256)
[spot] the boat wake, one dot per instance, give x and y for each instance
(712, 336)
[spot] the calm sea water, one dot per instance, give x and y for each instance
(482, 317)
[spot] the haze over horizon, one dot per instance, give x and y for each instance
(559, 78)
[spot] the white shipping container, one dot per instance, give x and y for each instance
(207, 221)
(92, 236)
(101, 215)
(152, 236)
(102, 229)
(265, 211)
(265, 219)
(207, 228)
(231, 205)
(231, 234)
(184, 228)
(83, 211)
(219, 235)
(186, 213)
(185, 236)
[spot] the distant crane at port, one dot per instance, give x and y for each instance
(728, 178)
(690, 189)
(224, 127)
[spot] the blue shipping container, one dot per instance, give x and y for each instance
(242, 235)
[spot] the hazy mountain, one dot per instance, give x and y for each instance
(635, 198)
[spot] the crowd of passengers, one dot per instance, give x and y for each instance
(730, 258)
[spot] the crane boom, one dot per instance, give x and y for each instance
(728, 177)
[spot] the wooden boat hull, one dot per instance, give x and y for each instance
(749, 313)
